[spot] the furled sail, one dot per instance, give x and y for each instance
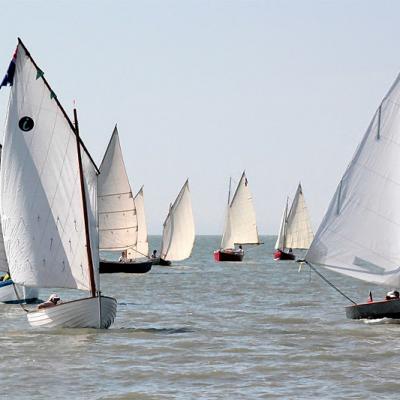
(41, 201)
(299, 234)
(240, 225)
(360, 233)
(118, 224)
(178, 233)
(142, 246)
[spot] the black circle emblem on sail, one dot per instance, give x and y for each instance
(26, 124)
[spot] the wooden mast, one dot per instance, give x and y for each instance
(85, 211)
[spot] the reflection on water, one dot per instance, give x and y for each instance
(202, 330)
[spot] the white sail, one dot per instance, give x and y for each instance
(241, 226)
(360, 233)
(41, 208)
(142, 246)
(280, 241)
(299, 234)
(3, 258)
(178, 233)
(118, 223)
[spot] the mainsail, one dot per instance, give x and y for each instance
(240, 223)
(142, 245)
(295, 230)
(360, 233)
(3, 258)
(281, 240)
(118, 224)
(178, 233)
(42, 213)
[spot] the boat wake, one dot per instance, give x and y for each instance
(381, 321)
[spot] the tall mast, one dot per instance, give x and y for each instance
(85, 211)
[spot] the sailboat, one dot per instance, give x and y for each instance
(295, 231)
(359, 236)
(48, 202)
(178, 230)
(240, 224)
(118, 219)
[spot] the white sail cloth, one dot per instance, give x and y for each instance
(240, 223)
(280, 241)
(360, 233)
(3, 257)
(296, 232)
(41, 208)
(118, 225)
(179, 233)
(142, 245)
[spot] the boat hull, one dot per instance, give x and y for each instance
(225, 255)
(113, 267)
(16, 294)
(281, 255)
(82, 313)
(160, 261)
(374, 310)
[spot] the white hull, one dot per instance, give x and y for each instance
(23, 295)
(82, 313)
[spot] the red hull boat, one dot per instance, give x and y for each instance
(228, 255)
(281, 255)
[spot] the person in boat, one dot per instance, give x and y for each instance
(240, 249)
(123, 257)
(52, 301)
(392, 295)
(154, 254)
(290, 251)
(5, 277)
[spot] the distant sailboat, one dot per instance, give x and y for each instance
(10, 292)
(48, 202)
(360, 234)
(295, 231)
(118, 219)
(142, 244)
(240, 224)
(178, 231)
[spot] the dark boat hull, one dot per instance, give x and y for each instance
(221, 255)
(375, 310)
(160, 261)
(113, 267)
(281, 255)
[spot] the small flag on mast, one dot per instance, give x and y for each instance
(9, 77)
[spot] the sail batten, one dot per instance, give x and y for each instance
(360, 233)
(41, 209)
(179, 232)
(240, 222)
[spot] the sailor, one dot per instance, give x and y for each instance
(392, 295)
(52, 301)
(154, 254)
(123, 257)
(240, 250)
(5, 277)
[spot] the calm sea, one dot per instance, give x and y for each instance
(202, 330)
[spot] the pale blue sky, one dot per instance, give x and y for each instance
(205, 89)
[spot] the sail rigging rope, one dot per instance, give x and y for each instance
(19, 299)
(329, 283)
